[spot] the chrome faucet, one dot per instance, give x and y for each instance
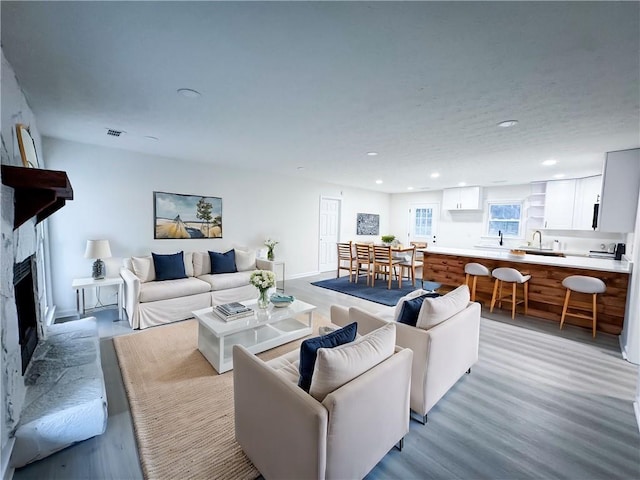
(500, 235)
(534, 237)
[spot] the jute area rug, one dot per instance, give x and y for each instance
(182, 408)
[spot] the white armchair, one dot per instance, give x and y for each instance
(288, 434)
(441, 355)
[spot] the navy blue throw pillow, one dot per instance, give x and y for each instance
(309, 350)
(411, 309)
(169, 267)
(223, 262)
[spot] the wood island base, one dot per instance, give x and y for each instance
(546, 293)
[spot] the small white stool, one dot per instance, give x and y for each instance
(513, 276)
(582, 284)
(475, 270)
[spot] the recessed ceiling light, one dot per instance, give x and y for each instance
(462, 184)
(559, 175)
(378, 182)
(551, 161)
(435, 175)
(151, 137)
(499, 181)
(188, 93)
(409, 188)
(372, 154)
(508, 123)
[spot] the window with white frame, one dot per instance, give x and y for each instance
(505, 217)
(423, 221)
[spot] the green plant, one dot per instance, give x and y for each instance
(388, 238)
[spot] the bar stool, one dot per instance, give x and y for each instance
(513, 276)
(582, 284)
(475, 270)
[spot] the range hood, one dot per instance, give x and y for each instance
(38, 192)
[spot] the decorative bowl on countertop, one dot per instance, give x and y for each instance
(518, 253)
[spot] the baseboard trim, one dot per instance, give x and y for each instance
(65, 313)
(50, 315)
(623, 351)
(303, 275)
(7, 471)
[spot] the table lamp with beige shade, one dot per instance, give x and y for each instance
(98, 249)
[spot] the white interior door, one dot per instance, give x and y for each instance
(329, 233)
(423, 222)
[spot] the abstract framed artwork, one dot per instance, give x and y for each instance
(183, 216)
(368, 224)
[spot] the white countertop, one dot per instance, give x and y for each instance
(602, 264)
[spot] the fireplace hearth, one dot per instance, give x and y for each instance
(23, 284)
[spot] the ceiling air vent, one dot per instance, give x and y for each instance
(114, 133)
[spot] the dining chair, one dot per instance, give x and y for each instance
(363, 258)
(346, 260)
(385, 263)
(410, 265)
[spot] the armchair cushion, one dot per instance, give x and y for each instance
(223, 262)
(309, 349)
(336, 366)
(169, 267)
(411, 309)
(437, 310)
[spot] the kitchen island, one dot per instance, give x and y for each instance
(546, 293)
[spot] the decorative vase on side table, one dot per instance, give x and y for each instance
(270, 244)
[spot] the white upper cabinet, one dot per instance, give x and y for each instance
(558, 204)
(462, 198)
(569, 203)
(587, 195)
(619, 197)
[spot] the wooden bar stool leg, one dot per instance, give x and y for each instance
(473, 289)
(564, 307)
(513, 301)
(500, 295)
(466, 280)
(595, 314)
(493, 297)
(526, 298)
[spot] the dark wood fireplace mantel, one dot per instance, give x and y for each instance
(38, 192)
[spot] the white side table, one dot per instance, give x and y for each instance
(279, 279)
(79, 284)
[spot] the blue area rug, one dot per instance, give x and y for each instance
(378, 293)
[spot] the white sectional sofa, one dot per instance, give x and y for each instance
(149, 302)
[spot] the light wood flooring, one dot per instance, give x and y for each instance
(540, 403)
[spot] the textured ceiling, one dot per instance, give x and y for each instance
(318, 85)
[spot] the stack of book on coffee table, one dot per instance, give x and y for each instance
(232, 311)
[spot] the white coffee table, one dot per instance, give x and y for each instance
(264, 330)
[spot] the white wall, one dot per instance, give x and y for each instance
(630, 337)
(113, 199)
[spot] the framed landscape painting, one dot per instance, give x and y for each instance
(186, 216)
(368, 224)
